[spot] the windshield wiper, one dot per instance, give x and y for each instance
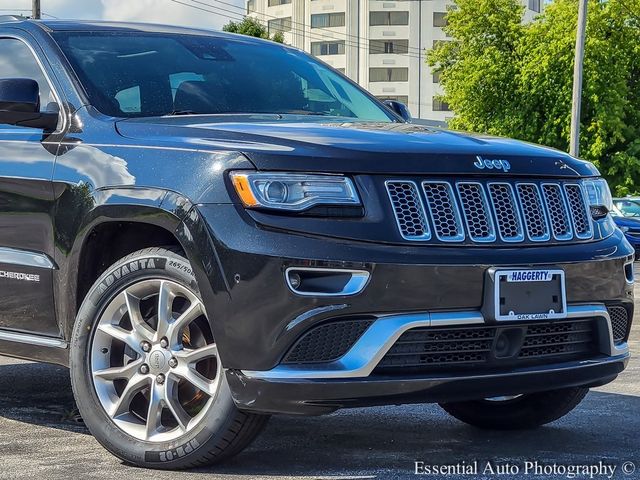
(176, 113)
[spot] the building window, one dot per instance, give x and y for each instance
(389, 46)
(279, 25)
(274, 3)
(388, 18)
(251, 6)
(534, 5)
(327, 48)
(439, 19)
(436, 77)
(440, 106)
(323, 20)
(396, 98)
(377, 74)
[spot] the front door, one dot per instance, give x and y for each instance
(26, 207)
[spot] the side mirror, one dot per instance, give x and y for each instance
(400, 109)
(20, 105)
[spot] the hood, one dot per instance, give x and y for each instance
(390, 148)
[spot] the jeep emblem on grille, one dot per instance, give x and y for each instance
(483, 163)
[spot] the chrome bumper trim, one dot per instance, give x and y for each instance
(367, 352)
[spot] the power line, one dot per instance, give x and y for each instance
(27, 10)
(237, 16)
(418, 50)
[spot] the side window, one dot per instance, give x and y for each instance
(17, 61)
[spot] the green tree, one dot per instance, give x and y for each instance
(253, 28)
(503, 77)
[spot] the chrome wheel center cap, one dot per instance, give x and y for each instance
(158, 362)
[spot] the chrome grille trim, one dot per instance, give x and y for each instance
(507, 212)
(486, 211)
(477, 215)
(558, 211)
(412, 222)
(443, 210)
(580, 214)
(534, 212)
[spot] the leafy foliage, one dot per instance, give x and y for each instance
(253, 28)
(503, 77)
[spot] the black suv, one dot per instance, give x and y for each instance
(209, 228)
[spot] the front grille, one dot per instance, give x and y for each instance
(327, 342)
(619, 323)
(486, 211)
(428, 348)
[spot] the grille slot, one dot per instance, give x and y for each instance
(580, 214)
(558, 212)
(486, 211)
(476, 212)
(534, 218)
(504, 205)
(428, 348)
(409, 211)
(327, 342)
(619, 323)
(443, 211)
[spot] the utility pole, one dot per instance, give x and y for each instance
(35, 9)
(577, 79)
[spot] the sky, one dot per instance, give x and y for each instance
(155, 11)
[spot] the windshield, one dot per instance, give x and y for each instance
(146, 75)
(628, 208)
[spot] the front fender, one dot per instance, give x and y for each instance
(80, 211)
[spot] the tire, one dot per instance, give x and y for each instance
(192, 420)
(520, 413)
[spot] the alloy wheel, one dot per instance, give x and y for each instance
(154, 361)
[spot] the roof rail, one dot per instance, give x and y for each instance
(12, 18)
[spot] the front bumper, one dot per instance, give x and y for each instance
(256, 317)
(317, 397)
(353, 379)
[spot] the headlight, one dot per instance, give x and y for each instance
(599, 197)
(292, 191)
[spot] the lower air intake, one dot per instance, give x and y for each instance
(327, 342)
(619, 323)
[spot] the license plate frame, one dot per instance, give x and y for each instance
(528, 287)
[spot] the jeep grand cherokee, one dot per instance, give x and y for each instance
(209, 229)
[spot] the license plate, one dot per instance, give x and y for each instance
(530, 295)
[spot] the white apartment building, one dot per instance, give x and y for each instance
(379, 44)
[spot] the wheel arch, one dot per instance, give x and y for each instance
(112, 229)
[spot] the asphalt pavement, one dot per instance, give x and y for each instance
(41, 438)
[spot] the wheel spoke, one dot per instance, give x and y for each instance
(136, 384)
(194, 356)
(154, 412)
(174, 406)
(140, 327)
(117, 373)
(122, 335)
(175, 329)
(191, 376)
(165, 308)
